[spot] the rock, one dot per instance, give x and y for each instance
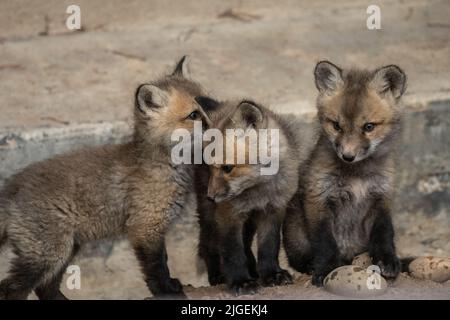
(354, 281)
(431, 268)
(363, 260)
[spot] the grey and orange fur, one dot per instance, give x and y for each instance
(235, 202)
(343, 204)
(51, 208)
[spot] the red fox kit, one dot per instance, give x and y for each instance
(342, 207)
(235, 201)
(51, 208)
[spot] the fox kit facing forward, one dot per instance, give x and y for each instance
(51, 208)
(235, 202)
(343, 204)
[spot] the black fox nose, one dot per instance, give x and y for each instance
(210, 198)
(348, 158)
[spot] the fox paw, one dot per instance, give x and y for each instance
(390, 266)
(174, 286)
(244, 287)
(278, 278)
(170, 289)
(317, 280)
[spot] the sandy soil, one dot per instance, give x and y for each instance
(113, 272)
(404, 287)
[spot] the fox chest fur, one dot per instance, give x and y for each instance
(347, 199)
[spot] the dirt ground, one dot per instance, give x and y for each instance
(404, 287)
(116, 274)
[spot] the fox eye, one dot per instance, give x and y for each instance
(368, 127)
(227, 168)
(336, 126)
(194, 115)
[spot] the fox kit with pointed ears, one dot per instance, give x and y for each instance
(235, 202)
(342, 207)
(51, 208)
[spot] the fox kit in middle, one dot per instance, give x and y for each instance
(240, 202)
(343, 204)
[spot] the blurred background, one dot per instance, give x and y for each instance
(62, 89)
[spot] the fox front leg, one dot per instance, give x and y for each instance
(208, 246)
(153, 260)
(381, 242)
(326, 252)
(232, 252)
(147, 239)
(268, 231)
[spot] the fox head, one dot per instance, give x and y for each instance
(358, 110)
(168, 104)
(234, 175)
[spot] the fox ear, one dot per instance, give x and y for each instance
(328, 77)
(207, 103)
(150, 97)
(389, 79)
(251, 113)
(205, 117)
(181, 69)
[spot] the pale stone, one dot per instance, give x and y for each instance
(431, 268)
(354, 281)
